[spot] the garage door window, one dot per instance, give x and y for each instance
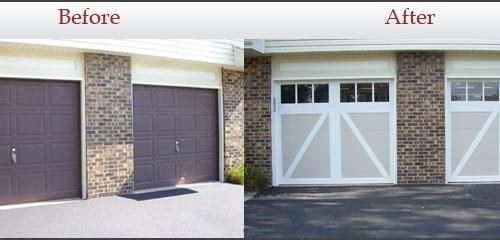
(474, 90)
(304, 93)
(364, 92)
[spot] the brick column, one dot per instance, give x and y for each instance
(420, 118)
(234, 115)
(258, 113)
(109, 133)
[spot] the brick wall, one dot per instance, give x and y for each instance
(109, 132)
(234, 115)
(258, 113)
(420, 118)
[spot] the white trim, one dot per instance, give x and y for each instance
(305, 145)
(83, 139)
(331, 78)
(365, 145)
(222, 162)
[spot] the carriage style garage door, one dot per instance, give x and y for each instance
(336, 132)
(473, 130)
(39, 140)
(175, 136)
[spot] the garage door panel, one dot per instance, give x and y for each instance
(207, 123)
(5, 125)
(29, 95)
(143, 98)
(32, 183)
(144, 173)
(165, 99)
(187, 168)
(207, 144)
(61, 95)
(177, 117)
(5, 94)
(295, 129)
(186, 122)
(165, 171)
(64, 152)
(356, 162)
(187, 145)
(165, 123)
(166, 147)
(186, 100)
(6, 185)
(64, 180)
(30, 124)
(66, 123)
(143, 123)
(374, 128)
(31, 154)
(484, 160)
(5, 158)
(208, 168)
(315, 163)
(206, 102)
(143, 148)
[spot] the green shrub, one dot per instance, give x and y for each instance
(255, 179)
(235, 173)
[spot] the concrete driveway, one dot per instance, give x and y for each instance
(389, 211)
(205, 210)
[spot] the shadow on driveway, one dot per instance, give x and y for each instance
(375, 211)
(159, 194)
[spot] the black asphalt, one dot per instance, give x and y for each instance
(375, 211)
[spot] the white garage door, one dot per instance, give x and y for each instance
(335, 132)
(473, 130)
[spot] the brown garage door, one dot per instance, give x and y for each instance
(175, 136)
(39, 140)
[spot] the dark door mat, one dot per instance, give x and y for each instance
(159, 194)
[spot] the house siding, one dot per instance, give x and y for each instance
(109, 126)
(420, 118)
(258, 146)
(234, 115)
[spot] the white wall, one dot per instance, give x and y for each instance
(154, 71)
(333, 66)
(474, 65)
(40, 64)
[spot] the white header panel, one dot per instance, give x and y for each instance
(163, 73)
(473, 65)
(40, 64)
(334, 66)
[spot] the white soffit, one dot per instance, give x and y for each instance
(150, 71)
(334, 66)
(473, 65)
(40, 64)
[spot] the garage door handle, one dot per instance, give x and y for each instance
(14, 155)
(177, 148)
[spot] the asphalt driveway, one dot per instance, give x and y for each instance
(386, 211)
(205, 210)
